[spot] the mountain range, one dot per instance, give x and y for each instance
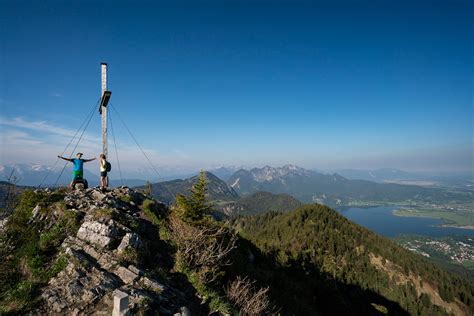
(306, 185)
(332, 189)
(34, 175)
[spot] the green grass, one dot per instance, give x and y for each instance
(20, 297)
(125, 198)
(129, 255)
(150, 209)
(216, 302)
(468, 265)
(30, 254)
(58, 266)
(449, 217)
(104, 214)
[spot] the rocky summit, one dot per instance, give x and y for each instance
(110, 252)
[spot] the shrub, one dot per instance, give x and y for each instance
(204, 249)
(250, 299)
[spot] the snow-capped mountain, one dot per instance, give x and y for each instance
(287, 179)
(35, 174)
(258, 177)
(331, 189)
(268, 173)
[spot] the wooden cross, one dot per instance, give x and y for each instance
(105, 97)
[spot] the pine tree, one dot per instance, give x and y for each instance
(196, 205)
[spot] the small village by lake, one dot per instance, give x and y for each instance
(432, 238)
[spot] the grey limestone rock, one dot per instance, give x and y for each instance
(152, 284)
(81, 281)
(127, 276)
(3, 224)
(97, 195)
(130, 240)
(183, 311)
(104, 235)
(136, 270)
(95, 266)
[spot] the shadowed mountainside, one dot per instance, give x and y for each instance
(261, 202)
(327, 250)
(166, 191)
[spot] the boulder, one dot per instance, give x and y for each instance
(97, 195)
(136, 270)
(103, 235)
(152, 284)
(130, 240)
(127, 276)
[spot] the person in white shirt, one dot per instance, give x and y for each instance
(104, 179)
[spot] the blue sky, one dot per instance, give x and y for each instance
(326, 85)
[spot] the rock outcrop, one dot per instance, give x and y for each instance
(116, 248)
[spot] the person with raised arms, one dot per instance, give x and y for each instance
(78, 169)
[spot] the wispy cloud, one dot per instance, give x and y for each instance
(26, 141)
(56, 94)
(41, 126)
(17, 138)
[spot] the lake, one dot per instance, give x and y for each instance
(382, 221)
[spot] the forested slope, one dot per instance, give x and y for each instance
(334, 261)
(262, 202)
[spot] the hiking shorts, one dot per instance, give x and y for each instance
(103, 174)
(77, 175)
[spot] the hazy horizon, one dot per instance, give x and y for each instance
(165, 174)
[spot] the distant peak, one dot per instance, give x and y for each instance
(291, 167)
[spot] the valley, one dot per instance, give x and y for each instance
(455, 252)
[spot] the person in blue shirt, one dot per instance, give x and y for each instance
(78, 169)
